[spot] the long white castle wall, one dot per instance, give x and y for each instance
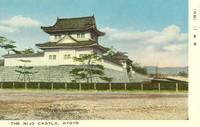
(45, 61)
(35, 61)
(60, 56)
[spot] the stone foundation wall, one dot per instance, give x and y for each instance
(56, 74)
(61, 74)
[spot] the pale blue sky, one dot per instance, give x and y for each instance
(153, 19)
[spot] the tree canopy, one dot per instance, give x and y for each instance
(25, 71)
(183, 73)
(89, 68)
(138, 68)
(27, 51)
(7, 44)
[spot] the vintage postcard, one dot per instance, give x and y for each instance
(72, 62)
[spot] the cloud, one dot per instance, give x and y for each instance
(177, 47)
(120, 35)
(151, 57)
(168, 46)
(169, 34)
(161, 40)
(16, 23)
(6, 29)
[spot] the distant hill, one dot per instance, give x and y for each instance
(166, 70)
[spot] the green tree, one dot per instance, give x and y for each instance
(138, 68)
(183, 73)
(88, 69)
(27, 51)
(8, 45)
(110, 53)
(25, 71)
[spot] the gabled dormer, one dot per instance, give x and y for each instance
(80, 29)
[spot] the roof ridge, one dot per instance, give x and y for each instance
(76, 17)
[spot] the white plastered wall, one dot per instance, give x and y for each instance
(45, 61)
(68, 39)
(35, 61)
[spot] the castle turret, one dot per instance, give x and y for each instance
(81, 28)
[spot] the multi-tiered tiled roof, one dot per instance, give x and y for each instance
(74, 25)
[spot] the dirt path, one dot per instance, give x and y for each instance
(92, 105)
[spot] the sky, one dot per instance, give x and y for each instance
(151, 32)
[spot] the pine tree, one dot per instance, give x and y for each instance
(25, 71)
(89, 69)
(8, 45)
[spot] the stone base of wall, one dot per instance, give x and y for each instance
(55, 74)
(61, 74)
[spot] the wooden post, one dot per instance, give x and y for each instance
(176, 87)
(1, 85)
(25, 85)
(159, 87)
(65, 85)
(51, 86)
(142, 86)
(110, 86)
(125, 86)
(13, 85)
(79, 86)
(95, 86)
(38, 85)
